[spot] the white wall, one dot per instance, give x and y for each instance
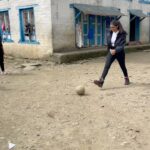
(42, 13)
(63, 22)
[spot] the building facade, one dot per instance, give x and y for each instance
(94, 24)
(38, 28)
(26, 28)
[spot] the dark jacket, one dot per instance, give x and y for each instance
(119, 43)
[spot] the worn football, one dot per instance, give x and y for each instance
(80, 90)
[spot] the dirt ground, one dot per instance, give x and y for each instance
(39, 109)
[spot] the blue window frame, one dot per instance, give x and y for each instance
(27, 26)
(145, 1)
(5, 26)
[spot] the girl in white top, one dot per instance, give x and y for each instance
(115, 43)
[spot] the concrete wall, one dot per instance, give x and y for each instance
(63, 23)
(63, 19)
(144, 26)
(42, 13)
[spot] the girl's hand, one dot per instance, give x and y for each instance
(113, 51)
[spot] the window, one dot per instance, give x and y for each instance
(145, 1)
(5, 26)
(27, 25)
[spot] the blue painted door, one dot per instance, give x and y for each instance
(94, 29)
(99, 31)
(137, 28)
(85, 30)
(91, 32)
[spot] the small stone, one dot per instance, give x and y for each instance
(25, 133)
(105, 125)
(75, 123)
(51, 115)
(134, 137)
(137, 131)
(124, 143)
(38, 135)
(38, 128)
(29, 68)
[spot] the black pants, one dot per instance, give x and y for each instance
(110, 59)
(2, 58)
(2, 63)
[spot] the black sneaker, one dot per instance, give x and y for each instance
(127, 81)
(99, 83)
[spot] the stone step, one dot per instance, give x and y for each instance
(67, 57)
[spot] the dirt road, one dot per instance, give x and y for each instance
(39, 109)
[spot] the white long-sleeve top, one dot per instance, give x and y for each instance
(113, 38)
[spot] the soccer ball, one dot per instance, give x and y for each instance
(80, 90)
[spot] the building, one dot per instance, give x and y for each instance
(38, 28)
(27, 28)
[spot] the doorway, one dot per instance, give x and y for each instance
(134, 28)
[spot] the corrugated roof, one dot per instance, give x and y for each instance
(98, 10)
(137, 12)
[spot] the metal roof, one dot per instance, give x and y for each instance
(98, 10)
(137, 12)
